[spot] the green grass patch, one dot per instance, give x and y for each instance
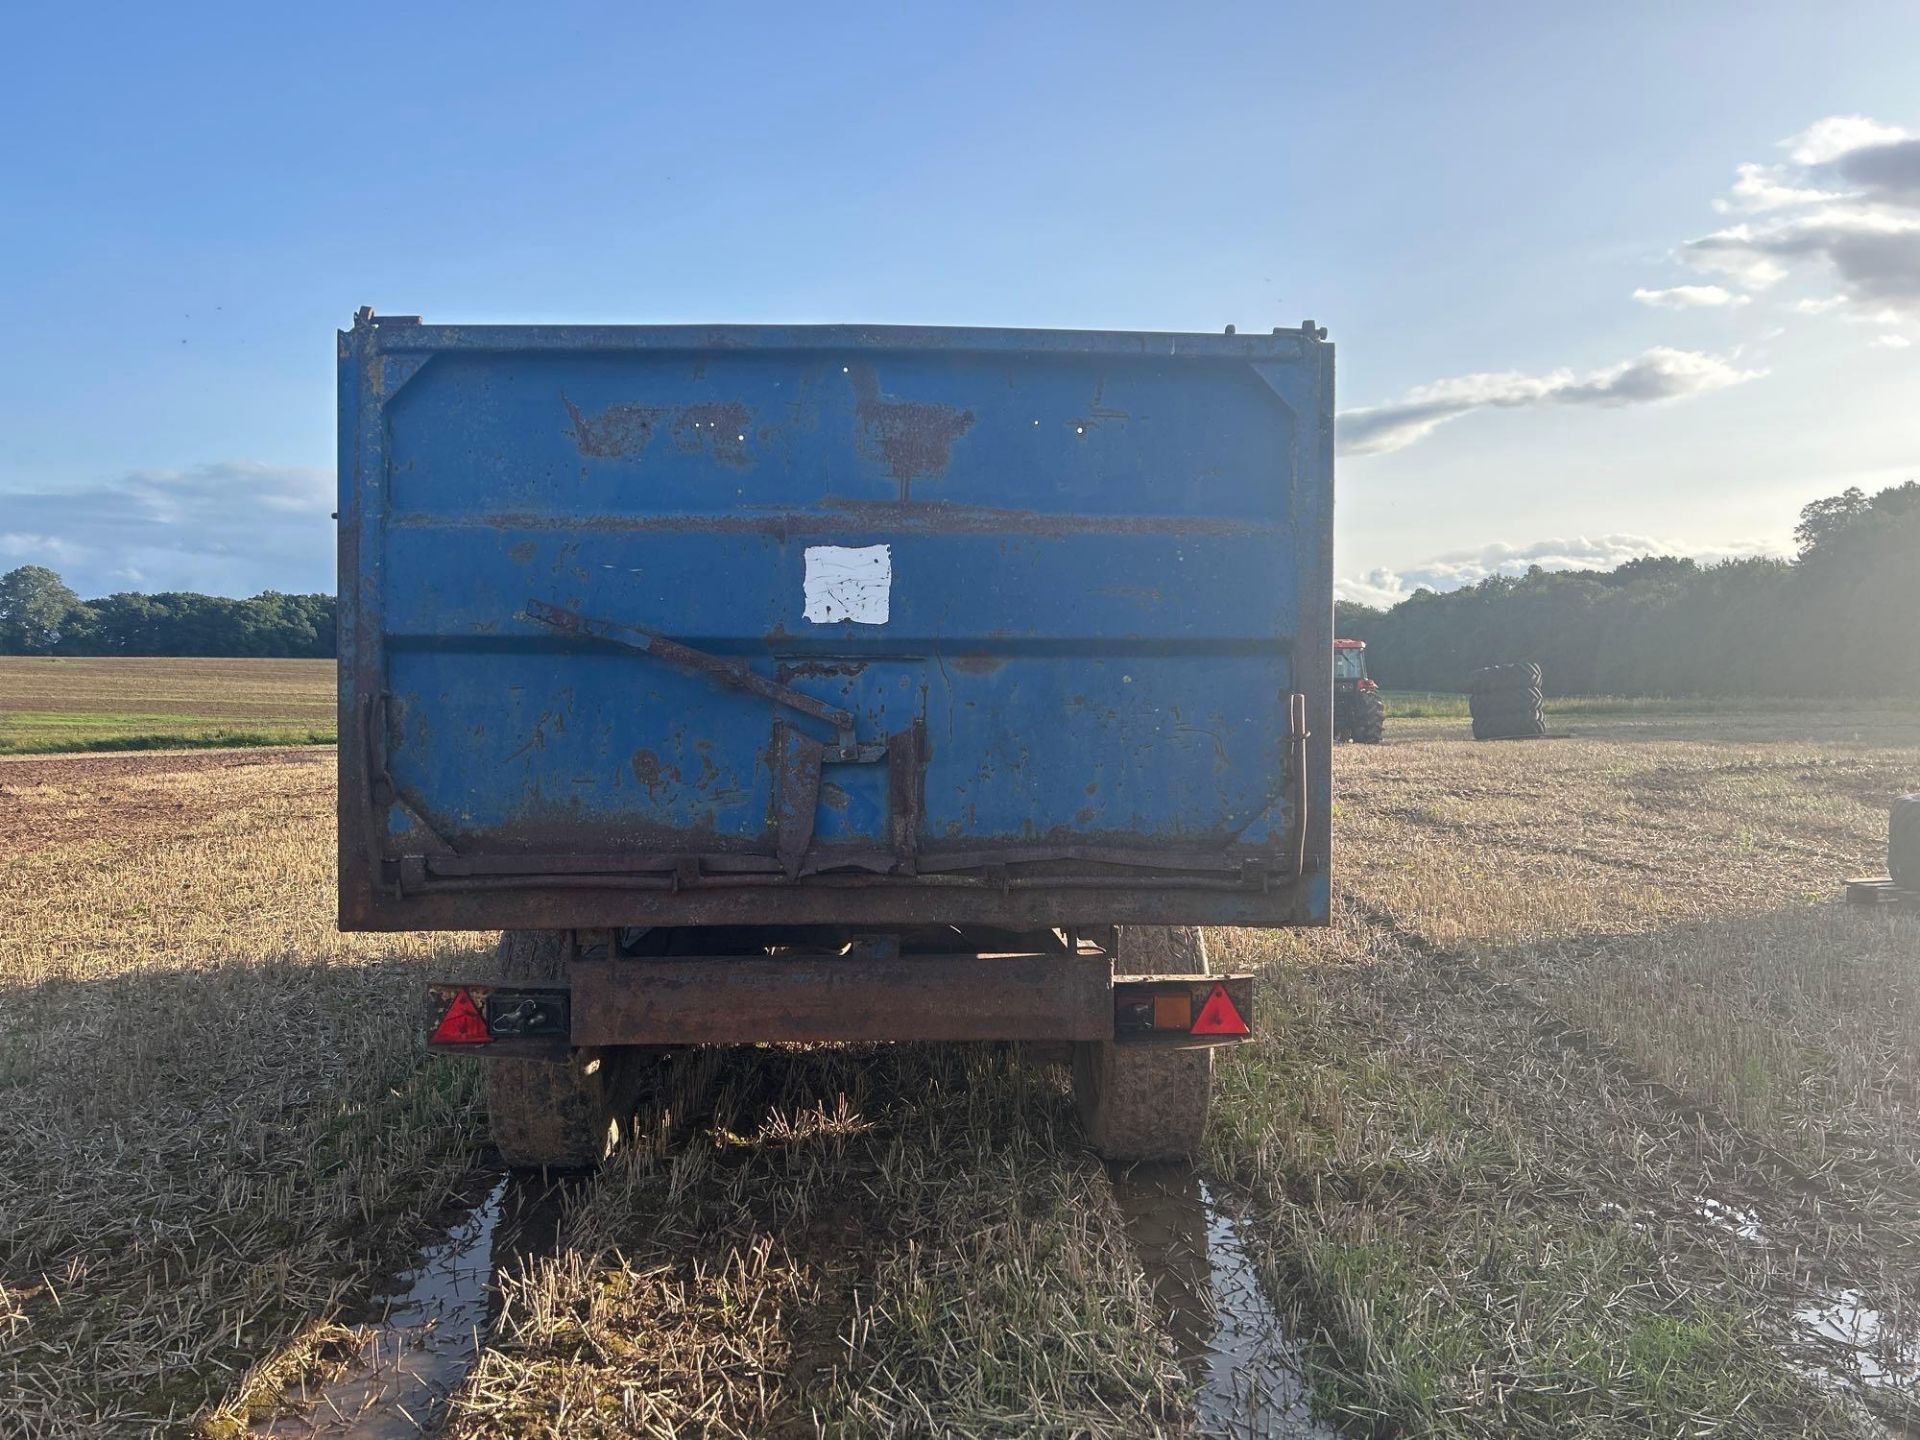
(50, 706)
(1425, 705)
(52, 733)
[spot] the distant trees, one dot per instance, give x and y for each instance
(1843, 618)
(39, 615)
(34, 610)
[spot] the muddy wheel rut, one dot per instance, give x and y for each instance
(416, 1348)
(419, 1338)
(1234, 1344)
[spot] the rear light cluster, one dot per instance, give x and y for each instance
(1165, 1009)
(482, 1015)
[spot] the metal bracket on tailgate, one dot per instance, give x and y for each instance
(798, 756)
(728, 672)
(1297, 736)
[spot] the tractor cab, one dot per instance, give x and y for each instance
(1359, 714)
(1350, 664)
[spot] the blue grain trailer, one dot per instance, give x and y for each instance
(834, 683)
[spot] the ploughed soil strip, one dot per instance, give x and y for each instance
(122, 797)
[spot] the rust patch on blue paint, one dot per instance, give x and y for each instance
(624, 431)
(618, 430)
(820, 669)
(912, 438)
(646, 769)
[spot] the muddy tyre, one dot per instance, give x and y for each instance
(1369, 718)
(1147, 1102)
(1903, 842)
(545, 1114)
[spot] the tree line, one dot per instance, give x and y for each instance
(40, 615)
(1842, 618)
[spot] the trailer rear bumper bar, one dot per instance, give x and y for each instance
(719, 1000)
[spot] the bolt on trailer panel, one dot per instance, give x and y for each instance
(832, 625)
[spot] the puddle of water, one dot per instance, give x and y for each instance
(423, 1334)
(1226, 1334)
(1861, 1343)
(1874, 1352)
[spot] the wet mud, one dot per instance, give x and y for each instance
(1230, 1340)
(422, 1335)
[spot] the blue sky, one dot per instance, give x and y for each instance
(195, 198)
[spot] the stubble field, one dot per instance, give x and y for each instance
(1594, 1113)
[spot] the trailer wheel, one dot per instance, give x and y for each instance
(1369, 718)
(544, 1114)
(1147, 1102)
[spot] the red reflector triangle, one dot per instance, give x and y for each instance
(463, 1024)
(1218, 1016)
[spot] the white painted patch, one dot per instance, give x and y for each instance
(846, 582)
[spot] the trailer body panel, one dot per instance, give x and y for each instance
(832, 625)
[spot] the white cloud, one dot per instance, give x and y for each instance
(1828, 139)
(1660, 374)
(1874, 254)
(1768, 187)
(1846, 208)
(232, 528)
(1690, 297)
(1820, 306)
(1457, 568)
(1381, 588)
(1891, 342)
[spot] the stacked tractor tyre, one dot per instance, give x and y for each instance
(1505, 703)
(1903, 843)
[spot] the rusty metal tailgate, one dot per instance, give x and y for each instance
(692, 625)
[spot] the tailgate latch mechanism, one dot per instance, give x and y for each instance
(797, 755)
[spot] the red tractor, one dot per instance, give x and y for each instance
(1359, 714)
